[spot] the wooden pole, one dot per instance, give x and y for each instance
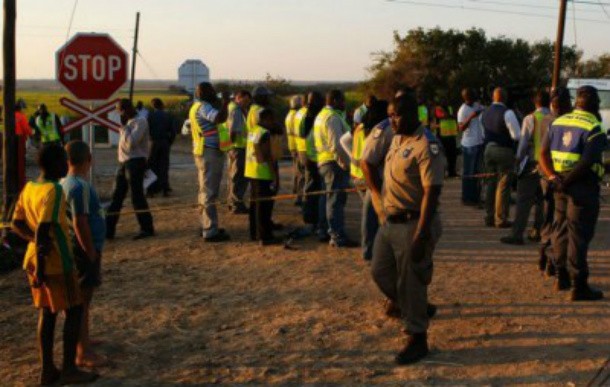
(134, 54)
(559, 42)
(10, 174)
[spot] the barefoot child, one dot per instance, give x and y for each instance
(89, 231)
(40, 218)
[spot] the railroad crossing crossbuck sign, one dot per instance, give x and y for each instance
(92, 67)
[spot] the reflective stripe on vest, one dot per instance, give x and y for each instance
(48, 130)
(566, 151)
(357, 150)
(196, 130)
(290, 130)
(299, 123)
(320, 135)
(254, 169)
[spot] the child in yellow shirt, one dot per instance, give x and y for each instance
(40, 218)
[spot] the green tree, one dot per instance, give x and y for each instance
(440, 63)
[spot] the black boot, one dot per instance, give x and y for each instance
(415, 350)
(563, 279)
(583, 292)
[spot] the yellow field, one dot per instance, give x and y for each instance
(33, 98)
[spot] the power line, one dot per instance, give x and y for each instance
(71, 19)
(604, 9)
(489, 10)
(574, 23)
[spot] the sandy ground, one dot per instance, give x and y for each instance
(175, 311)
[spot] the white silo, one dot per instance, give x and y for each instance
(191, 73)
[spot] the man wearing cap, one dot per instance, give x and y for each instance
(205, 114)
(571, 159)
(298, 170)
(334, 165)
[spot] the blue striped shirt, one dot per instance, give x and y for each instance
(206, 115)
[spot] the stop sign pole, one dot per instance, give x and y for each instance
(92, 67)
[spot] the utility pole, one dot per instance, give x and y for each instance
(559, 42)
(9, 173)
(134, 54)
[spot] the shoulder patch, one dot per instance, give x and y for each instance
(434, 145)
(378, 133)
(434, 149)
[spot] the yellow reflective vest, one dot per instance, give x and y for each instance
(196, 131)
(240, 140)
(291, 130)
(255, 169)
(320, 134)
(422, 113)
(448, 125)
(358, 143)
(568, 135)
(253, 116)
(47, 129)
(299, 123)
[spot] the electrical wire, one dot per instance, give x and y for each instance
(574, 23)
(148, 66)
(604, 9)
(71, 19)
(489, 10)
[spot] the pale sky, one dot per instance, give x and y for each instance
(309, 40)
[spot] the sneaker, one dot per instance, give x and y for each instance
(415, 350)
(511, 240)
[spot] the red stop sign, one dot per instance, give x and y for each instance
(92, 66)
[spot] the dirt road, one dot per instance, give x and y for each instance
(175, 311)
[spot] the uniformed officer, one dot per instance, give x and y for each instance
(402, 257)
(572, 161)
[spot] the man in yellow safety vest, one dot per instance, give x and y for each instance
(49, 127)
(446, 126)
(236, 125)
(262, 171)
(291, 134)
(334, 165)
(206, 113)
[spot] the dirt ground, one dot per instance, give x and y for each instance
(175, 311)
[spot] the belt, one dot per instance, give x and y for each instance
(403, 217)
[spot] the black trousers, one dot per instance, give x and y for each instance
(260, 212)
(451, 152)
(130, 174)
(159, 164)
(576, 213)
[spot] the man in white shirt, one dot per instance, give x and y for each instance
(472, 146)
(502, 132)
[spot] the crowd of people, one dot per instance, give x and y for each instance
(397, 154)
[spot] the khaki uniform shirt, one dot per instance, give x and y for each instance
(413, 162)
(377, 144)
